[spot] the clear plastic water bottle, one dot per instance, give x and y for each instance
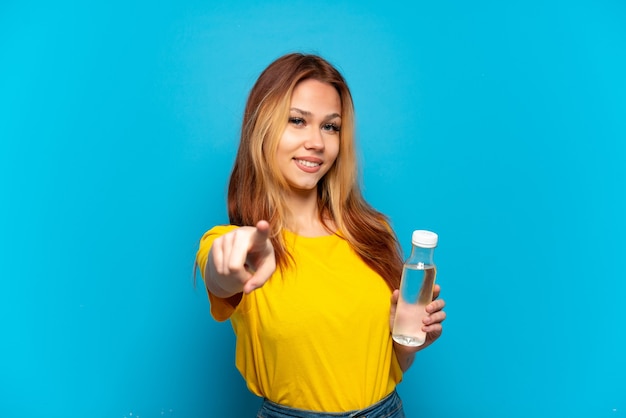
(416, 290)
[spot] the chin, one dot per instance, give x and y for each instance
(303, 188)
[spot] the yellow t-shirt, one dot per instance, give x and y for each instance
(316, 337)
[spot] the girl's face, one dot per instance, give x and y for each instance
(309, 146)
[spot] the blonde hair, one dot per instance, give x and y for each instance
(256, 184)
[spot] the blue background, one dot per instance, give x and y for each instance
(500, 125)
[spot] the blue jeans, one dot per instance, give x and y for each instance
(389, 407)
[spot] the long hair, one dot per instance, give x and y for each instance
(256, 184)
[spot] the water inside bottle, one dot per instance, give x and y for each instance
(416, 291)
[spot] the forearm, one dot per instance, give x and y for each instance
(405, 355)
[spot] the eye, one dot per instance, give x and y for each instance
(296, 121)
(331, 127)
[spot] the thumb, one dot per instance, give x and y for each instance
(394, 297)
(261, 275)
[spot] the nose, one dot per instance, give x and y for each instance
(315, 140)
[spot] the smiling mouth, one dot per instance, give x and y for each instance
(308, 163)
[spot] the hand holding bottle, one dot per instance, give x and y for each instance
(431, 323)
(416, 290)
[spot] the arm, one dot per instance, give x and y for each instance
(432, 326)
(240, 261)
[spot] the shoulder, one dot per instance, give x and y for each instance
(217, 231)
(207, 240)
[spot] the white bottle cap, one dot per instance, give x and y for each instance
(424, 239)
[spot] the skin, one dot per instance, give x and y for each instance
(307, 150)
(243, 260)
(310, 144)
(240, 261)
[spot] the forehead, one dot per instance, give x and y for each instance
(313, 95)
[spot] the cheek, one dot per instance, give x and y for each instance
(332, 148)
(287, 143)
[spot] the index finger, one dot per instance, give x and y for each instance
(260, 236)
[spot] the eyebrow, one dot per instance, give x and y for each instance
(307, 113)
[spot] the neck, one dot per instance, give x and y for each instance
(304, 215)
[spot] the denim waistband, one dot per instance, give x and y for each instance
(388, 407)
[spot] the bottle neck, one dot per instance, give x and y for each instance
(421, 255)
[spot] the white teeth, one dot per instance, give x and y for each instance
(308, 163)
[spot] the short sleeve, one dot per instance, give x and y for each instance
(221, 309)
